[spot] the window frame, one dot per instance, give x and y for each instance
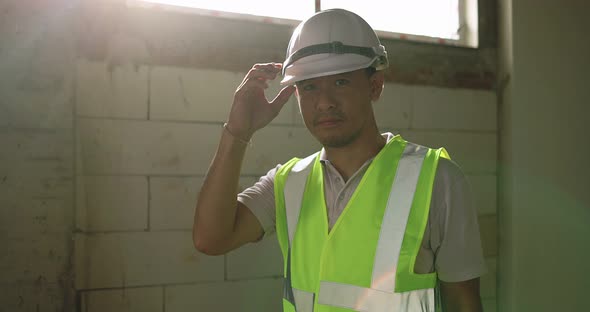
(468, 21)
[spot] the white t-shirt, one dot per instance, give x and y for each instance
(451, 244)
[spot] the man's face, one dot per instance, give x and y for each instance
(337, 109)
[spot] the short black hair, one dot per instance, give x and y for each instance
(370, 71)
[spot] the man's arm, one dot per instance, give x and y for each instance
(455, 237)
(461, 296)
(221, 224)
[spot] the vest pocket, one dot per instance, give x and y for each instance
(359, 298)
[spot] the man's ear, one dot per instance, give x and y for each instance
(376, 81)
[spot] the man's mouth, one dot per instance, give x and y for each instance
(327, 122)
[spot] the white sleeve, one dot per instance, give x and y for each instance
(260, 199)
(454, 237)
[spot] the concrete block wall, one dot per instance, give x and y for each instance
(145, 137)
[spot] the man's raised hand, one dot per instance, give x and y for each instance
(251, 110)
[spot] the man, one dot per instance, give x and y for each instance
(369, 223)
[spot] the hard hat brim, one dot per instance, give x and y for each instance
(324, 65)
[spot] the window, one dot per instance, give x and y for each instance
(451, 22)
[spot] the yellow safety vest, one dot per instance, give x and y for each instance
(366, 262)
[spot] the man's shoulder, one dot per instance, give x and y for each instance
(272, 172)
(448, 171)
(446, 167)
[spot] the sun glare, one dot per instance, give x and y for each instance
(431, 18)
(286, 9)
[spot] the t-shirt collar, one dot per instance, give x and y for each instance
(324, 158)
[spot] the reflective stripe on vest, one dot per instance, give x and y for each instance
(302, 300)
(396, 214)
(296, 186)
(380, 296)
(374, 300)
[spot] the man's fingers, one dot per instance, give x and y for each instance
(261, 73)
(250, 83)
(265, 71)
(275, 67)
(282, 97)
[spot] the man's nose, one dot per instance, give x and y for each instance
(326, 100)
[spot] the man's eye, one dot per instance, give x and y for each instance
(308, 87)
(341, 82)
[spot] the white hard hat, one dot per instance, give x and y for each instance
(332, 42)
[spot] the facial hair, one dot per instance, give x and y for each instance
(340, 140)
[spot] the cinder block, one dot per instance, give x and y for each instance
(204, 95)
(488, 281)
(255, 260)
(39, 153)
(34, 257)
(142, 258)
(173, 200)
(191, 94)
(276, 144)
(123, 47)
(488, 227)
(146, 148)
(145, 299)
(35, 216)
(34, 296)
(35, 185)
(393, 109)
(244, 296)
(41, 109)
(105, 90)
(474, 152)
(135, 147)
(112, 203)
(458, 109)
(484, 193)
